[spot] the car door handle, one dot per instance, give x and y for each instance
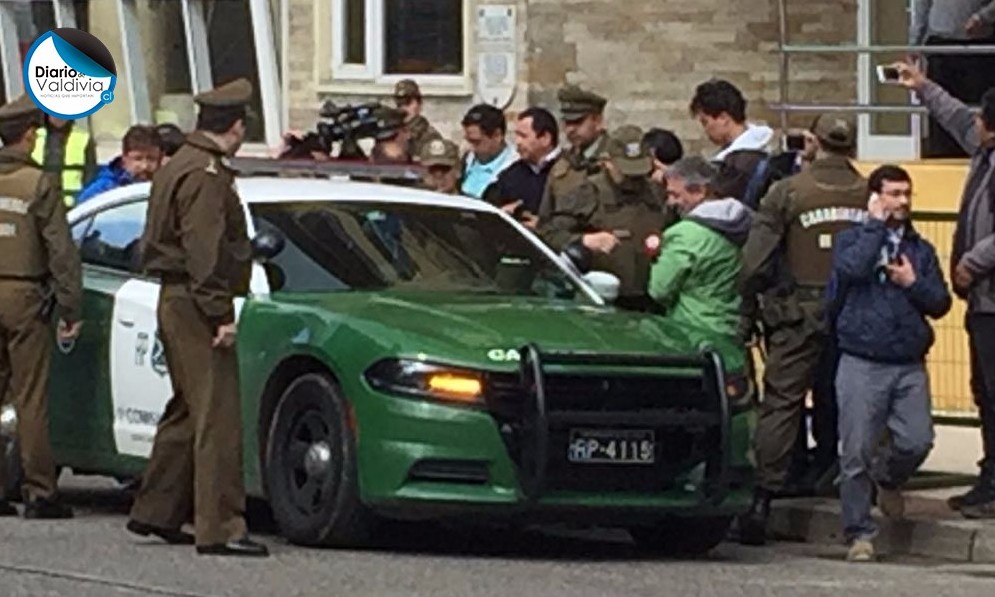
(126, 321)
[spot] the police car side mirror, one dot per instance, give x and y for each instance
(267, 244)
(604, 284)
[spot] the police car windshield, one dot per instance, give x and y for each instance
(366, 246)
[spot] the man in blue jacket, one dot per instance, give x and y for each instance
(886, 282)
(141, 156)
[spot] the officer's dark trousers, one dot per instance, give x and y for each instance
(196, 464)
(981, 332)
(792, 359)
(26, 344)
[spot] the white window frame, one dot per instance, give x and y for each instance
(871, 146)
(372, 70)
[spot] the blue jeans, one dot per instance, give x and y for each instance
(873, 397)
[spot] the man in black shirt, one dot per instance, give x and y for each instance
(519, 188)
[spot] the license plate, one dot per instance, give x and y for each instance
(611, 446)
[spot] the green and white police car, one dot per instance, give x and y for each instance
(406, 354)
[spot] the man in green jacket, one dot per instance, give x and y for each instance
(694, 277)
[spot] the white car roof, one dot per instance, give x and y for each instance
(271, 189)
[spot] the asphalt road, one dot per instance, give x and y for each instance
(92, 555)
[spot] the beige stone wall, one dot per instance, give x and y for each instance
(647, 58)
(309, 60)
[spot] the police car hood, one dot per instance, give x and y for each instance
(728, 217)
(756, 136)
(465, 328)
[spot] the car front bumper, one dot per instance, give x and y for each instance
(422, 459)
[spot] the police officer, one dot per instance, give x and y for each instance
(392, 141)
(615, 214)
(68, 152)
(408, 98)
(582, 113)
(787, 263)
(196, 243)
(36, 247)
(441, 159)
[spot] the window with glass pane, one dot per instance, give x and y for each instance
(423, 37)
(112, 239)
(354, 40)
(889, 26)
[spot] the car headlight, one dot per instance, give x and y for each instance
(427, 380)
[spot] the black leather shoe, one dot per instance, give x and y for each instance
(240, 547)
(753, 524)
(7, 509)
(43, 509)
(171, 536)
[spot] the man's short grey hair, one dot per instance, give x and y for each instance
(695, 171)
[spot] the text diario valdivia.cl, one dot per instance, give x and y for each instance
(65, 78)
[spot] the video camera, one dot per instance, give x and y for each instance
(339, 124)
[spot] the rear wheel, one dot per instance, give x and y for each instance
(683, 536)
(311, 471)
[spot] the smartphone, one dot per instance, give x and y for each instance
(888, 74)
(794, 142)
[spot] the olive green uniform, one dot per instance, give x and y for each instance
(574, 166)
(787, 262)
(421, 132)
(570, 171)
(195, 241)
(37, 251)
(405, 91)
(632, 210)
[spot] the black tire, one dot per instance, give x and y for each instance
(15, 472)
(311, 472)
(683, 536)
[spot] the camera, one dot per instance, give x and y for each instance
(888, 74)
(795, 142)
(345, 125)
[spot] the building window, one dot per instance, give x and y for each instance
(384, 40)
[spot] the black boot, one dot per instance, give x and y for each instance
(982, 492)
(753, 524)
(43, 509)
(7, 509)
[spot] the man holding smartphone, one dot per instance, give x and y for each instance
(972, 264)
(965, 76)
(886, 280)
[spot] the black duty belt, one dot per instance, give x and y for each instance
(19, 278)
(173, 278)
(810, 293)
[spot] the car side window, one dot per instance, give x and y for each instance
(80, 229)
(113, 237)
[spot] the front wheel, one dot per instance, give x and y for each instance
(311, 471)
(683, 536)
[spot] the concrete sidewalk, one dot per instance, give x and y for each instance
(930, 528)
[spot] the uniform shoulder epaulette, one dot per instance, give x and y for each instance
(561, 168)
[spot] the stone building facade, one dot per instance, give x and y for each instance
(647, 56)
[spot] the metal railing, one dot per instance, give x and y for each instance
(949, 359)
(784, 106)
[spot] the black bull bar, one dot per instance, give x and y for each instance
(535, 377)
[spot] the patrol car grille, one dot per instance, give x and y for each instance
(683, 417)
